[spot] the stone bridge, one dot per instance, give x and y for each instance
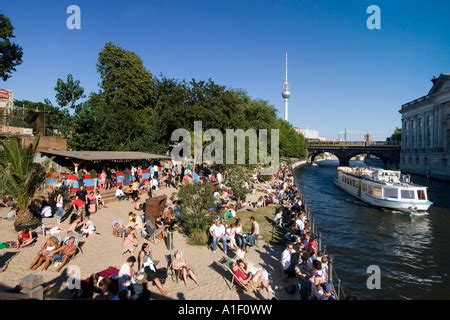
(388, 152)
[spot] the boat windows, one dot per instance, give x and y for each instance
(390, 193)
(421, 195)
(364, 187)
(370, 190)
(377, 192)
(408, 194)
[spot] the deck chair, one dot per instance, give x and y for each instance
(173, 272)
(120, 225)
(62, 240)
(235, 282)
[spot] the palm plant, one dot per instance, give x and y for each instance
(19, 175)
(195, 217)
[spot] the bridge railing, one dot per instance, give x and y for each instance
(343, 144)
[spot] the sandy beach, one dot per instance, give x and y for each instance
(102, 250)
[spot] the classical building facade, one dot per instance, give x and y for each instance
(426, 132)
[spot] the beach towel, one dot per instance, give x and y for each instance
(107, 273)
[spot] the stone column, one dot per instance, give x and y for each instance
(32, 286)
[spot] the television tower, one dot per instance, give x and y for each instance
(286, 93)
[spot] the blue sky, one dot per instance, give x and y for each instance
(341, 74)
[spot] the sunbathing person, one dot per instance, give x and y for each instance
(65, 253)
(179, 264)
(46, 251)
(260, 277)
(239, 270)
(25, 238)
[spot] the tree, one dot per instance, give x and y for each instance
(20, 176)
(196, 200)
(125, 81)
(292, 144)
(396, 135)
(10, 53)
(68, 93)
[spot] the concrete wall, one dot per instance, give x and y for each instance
(435, 165)
(48, 143)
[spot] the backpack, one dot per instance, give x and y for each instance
(291, 289)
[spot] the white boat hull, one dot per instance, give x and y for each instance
(404, 206)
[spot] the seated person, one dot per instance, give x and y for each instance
(46, 210)
(130, 240)
(87, 228)
(92, 202)
(242, 279)
(120, 195)
(179, 264)
(26, 237)
(147, 265)
(47, 250)
(65, 253)
(286, 263)
(78, 205)
(99, 200)
(260, 277)
(11, 215)
(117, 228)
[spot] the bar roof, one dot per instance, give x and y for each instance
(105, 155)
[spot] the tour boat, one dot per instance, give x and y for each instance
(383, 188)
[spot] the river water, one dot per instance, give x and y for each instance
(413, 254)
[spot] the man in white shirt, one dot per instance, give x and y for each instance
(120, 195)
(217, 232)
(126, 274)
(288, 267)
(300, 224)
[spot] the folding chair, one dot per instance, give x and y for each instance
(226, 263)
(173, 272)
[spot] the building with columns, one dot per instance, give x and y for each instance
(426, 132)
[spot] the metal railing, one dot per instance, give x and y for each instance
(333, 277)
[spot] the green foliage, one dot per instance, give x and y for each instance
(125, 81)
(19, 175)
(292, 144)
(68, 93)
(10, 53)
(237, 176)
(396, 136)
(196, 200)
(134, 111)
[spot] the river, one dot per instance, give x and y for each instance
(413, 254)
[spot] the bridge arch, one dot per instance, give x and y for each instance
(344, 157)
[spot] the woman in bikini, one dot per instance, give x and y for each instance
(48, 249)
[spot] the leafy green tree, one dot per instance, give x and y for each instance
(20, 176)
(396, 135)
(10, 53)
(68, 93)
(292, 144)
(125, 81)
(196, 199)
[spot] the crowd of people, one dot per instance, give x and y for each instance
(301, 259)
